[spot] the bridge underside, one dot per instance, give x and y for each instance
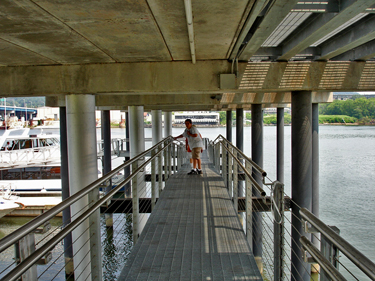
(179, 55)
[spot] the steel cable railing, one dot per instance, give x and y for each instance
(139, 173)
(229, 161)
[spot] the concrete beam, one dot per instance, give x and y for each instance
(321, 26)
(355, 36)
(121, 78)
(275, 14)
(361, 53)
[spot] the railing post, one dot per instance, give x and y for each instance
(330, 252)
(174, 158)
(230, 171)
(235, 181)
(24, 248)
(278, 226)
(160, 169)
(165, 163)
(213, 155)
(135, 204)
(224, 164)
(95, 239)
(178, 157)
(153, 181)
(170, 153)
(249, 206)
(217, 155)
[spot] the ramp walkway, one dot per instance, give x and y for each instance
(193, 233)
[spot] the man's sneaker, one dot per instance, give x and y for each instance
(193, 172)
(200, 172)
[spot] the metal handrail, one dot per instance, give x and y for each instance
(328, 267)
(359, 259)
(39, 253)
(253, 181)
(10, 239)
(255, 165)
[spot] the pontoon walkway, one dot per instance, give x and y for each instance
(193, 233)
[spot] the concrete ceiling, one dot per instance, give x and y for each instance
(132, 48)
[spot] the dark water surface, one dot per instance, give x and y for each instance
(347, 189)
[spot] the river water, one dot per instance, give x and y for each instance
(347, 175)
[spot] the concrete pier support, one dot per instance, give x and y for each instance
(107, 158)
(239, 145)
(127, 187)
(156, 126)
(301, 175)
(239, 128)
(157, 136)
(65, 193)
(83, 170)
(229, 138)
(229, 125)
(257, 156)
(167, 124)
(137, 145)
(280, 145)
(315, 165)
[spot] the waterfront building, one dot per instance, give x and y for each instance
(197, 117)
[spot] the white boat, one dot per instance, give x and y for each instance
(7, 201)
(7, 207)
(32, 186)
(19, 148)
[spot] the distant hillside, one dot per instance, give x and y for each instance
(31, 102)
(345, 93)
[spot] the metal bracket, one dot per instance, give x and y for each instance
(306, 258)
(309, 229)
(41, 230)
(45, 259)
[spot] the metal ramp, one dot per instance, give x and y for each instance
(193, 233)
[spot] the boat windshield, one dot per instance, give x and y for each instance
(15, 144)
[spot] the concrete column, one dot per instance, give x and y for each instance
(156, 126)
(301, 175)
(137, 145)
(68, 249)
(239, 145)
(157, 136)
(280, 145)
(229, 125)
(239, 128)
(83, 170)
(315, 165)
(167, 124)
(257, 156)
(107, 158)
(127, 187)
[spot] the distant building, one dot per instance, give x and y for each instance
(351, 96)
(198, 118)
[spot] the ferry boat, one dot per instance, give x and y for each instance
(198, 118)
(20, 148)
(31, 162)
(18, 139)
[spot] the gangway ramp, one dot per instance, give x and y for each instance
(193, 233)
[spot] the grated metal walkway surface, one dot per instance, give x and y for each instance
(192, 234)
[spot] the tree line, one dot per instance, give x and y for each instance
(32, 102)
(359, 110)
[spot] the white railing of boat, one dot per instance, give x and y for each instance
(30, 156)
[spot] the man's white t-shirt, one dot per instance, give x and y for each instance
(193, 142)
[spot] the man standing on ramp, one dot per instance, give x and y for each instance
(196, 144)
